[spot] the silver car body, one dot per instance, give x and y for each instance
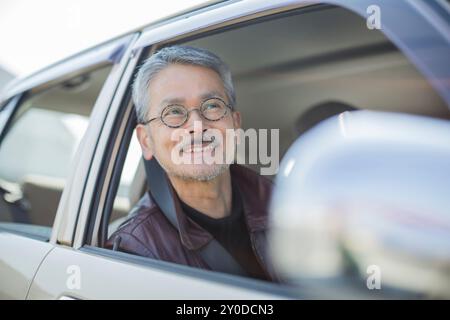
(33, 269)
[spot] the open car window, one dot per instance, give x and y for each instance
(291, 72)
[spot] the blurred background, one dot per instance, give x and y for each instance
(34, 34)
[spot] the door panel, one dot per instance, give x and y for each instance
(19, 259)
(99, 277)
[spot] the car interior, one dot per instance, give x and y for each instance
(285, 68)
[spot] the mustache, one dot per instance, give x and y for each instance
(195, 140)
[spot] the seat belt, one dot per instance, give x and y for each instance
(214, 254)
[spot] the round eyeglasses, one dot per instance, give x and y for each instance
(175, 115)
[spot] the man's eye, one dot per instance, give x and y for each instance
(174, 112)
(211, 106)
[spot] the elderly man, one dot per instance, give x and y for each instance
(188, 88)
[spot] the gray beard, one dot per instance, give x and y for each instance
(218, 170)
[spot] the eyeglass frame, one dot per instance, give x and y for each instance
(160, 117)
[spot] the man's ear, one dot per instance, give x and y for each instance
(236, 119)
(145, 142)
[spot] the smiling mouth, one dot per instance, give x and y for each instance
(200, 147)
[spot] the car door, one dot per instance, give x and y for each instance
(78, 267)
(42, 125)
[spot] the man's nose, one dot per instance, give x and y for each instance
(195, 122)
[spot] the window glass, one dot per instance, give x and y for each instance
(37, 150)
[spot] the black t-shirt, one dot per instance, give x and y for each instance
(231, 232)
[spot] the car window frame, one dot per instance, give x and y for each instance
(201, 24)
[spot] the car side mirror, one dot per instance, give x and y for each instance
(361, 208)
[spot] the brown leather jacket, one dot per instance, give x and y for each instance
(149, 233)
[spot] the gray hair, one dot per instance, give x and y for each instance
(177, 55)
